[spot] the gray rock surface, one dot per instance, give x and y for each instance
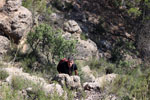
(86, 50)
(72, 27)
(12, 5)
(87, 74)
(15, 20)
(4, 45)
(68, 81)
(2, 3)
(100, 82)
(47, 88)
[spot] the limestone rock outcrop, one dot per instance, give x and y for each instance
(15, 20)
(100, 82)
(87, 74)
(72, 82)
(72, 26)
(86, 49)
(47, 88)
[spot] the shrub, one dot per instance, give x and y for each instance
(3, 75)
(6, 93)
(130, 87)
(38, 7)
(101, 66)
(50, 43)
(35, 5)
(134, 12)
(18, 83)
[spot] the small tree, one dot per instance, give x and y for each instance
(49, 42)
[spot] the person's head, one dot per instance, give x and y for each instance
(70, 61)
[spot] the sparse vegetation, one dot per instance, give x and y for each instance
(50, 43)
(3, 75)
(6, 93)
(83, 36)
(115, 21)
(19, 83)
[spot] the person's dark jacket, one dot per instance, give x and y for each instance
(64, 68)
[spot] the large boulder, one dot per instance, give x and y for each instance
(2, 3)
(12, 5)
(4, 45)
(100, 82)
(72, 26)
(86, 50)
(62, 4)
(87, 74)
(15, 20)
(72, 82)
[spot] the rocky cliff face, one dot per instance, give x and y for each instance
(15, 20)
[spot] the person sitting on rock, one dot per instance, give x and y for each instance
(67, 66)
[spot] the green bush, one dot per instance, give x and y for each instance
(134, 12)
(122, 47)
(6, 93)
(3, 75)
(35, 5)
(130, 87)
(50, 43)
(38, 7)
(101, 66)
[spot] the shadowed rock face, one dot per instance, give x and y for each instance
(143, 41)
(15, 20)
(4, 45)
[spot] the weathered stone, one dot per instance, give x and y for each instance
(68, 81)
(100, 82)
(133, 61)
(62, 4)
(12, 5)
(47, 88)
(15, 20)
(72, 27)
(53, 88)
(21, 22)
(86, 50)
(5, 26)
(87, 74)
(4, 45)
